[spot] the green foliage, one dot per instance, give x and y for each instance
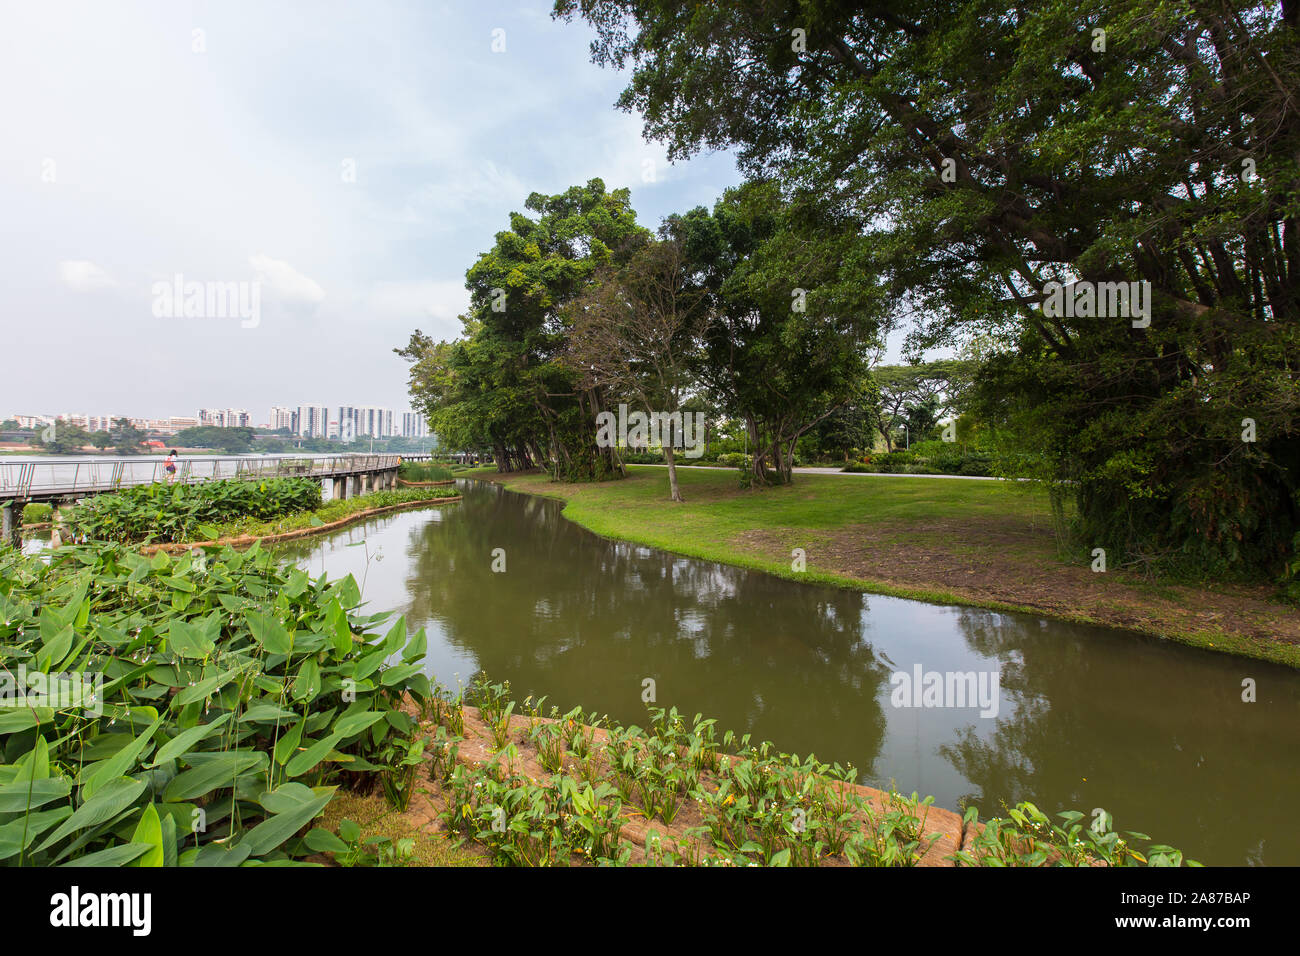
(180, 512)
(504, 385)
(991, 148)
(236, 694)
(757, 806)
(37, 513)
(423, 471)
(232, 441)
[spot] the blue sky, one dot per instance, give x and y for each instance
(137, 148)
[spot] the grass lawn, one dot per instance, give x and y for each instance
(983, 543)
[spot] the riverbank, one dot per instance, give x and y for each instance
(329, 517)
(984, 544)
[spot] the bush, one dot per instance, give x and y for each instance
(247, 699)
(161, 512)
(37, 513)
(423, 471)
(735, 459)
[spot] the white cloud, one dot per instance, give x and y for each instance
(417, 301)
(286, 282)
(83, 275)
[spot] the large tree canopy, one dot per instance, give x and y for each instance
(996, 147)
(505, 384)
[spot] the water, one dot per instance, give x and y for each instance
(1154, 732)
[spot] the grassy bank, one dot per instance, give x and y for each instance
(980, 543)
(330, 512)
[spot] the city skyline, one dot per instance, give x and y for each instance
(303, 420)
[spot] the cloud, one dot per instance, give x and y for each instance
(418, 301)
(286, 282)
(83, 275)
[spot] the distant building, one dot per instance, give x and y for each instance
(364, 421)
(282, 417)
(313, 421)
(413, 425)
(225, 417)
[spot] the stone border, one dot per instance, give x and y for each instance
(180, 547)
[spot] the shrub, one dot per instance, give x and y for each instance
(35, 513)
(735, 459)
(161, 512)
(235, 690)
(423, 471)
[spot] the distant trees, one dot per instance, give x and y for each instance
(756, 309)
(61, 438)
(233, 441)
(125, 437)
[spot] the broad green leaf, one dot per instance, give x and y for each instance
(182, 742)
(219, 773)
(149, 832)
(109, 800)
(269, 632)
(314, 754)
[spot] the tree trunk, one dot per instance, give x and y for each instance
(672, 473)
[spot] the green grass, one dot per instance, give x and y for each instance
(718, 521)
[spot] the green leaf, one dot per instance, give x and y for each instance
(109, 800)
(110, 857)
(149, 832)
(17, 835)
(217, 773)
(269, 632)
(205, 687)
(270, 833)
(182, 742)
(352, 724)
(309, 758)
(323, 841)
(117, 765)
(25, 794)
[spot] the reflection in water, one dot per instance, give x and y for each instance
(1155, 733)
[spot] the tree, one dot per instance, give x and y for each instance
(634, 334)
(101, 439)
(994, 148)
(791, 315)
(62, 438)
(125, 437)
(235, 440)
(919, 395)
(504, 382)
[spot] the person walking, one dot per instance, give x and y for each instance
(169, 466)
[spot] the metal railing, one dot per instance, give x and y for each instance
(21, 480)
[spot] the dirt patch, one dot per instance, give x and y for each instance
(1010, 561)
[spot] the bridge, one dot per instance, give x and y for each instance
(61, 482)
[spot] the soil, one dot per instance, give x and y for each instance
(477, 748)
(954, 556)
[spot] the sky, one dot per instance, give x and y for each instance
(348, 161)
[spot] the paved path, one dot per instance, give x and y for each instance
(846, 474)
